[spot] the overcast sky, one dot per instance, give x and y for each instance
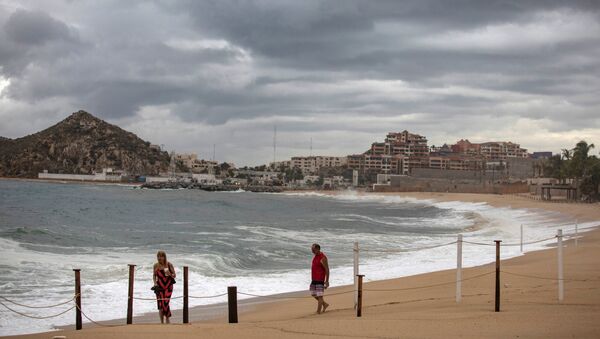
(190, 74)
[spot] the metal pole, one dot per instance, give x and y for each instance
(521, 238)
(356, 274)
(232, 302)
(130, 295)
(497, 299)
(359, 304)
(186, 318)
(77, 298)
(459, 268)
(561, 291)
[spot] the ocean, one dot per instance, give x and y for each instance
(258, 242)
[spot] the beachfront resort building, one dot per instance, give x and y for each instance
(494, 150)
(397, 154)
(401, 153)
(310, 165)
(191, 161)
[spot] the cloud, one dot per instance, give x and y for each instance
(191, 74)
(36, 28)
(545, 30)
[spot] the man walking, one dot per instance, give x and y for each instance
(320, 277)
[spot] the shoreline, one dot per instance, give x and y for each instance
(257, 311)
(66, 182)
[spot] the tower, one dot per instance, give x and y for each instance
(274, 143)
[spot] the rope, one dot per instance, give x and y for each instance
(588, 227)
(527, 243)
(93, 321)
(29, 306)
(156, 299)
(208, 296)
(427, 286)
(36, 317)
(290, 297)
(180, 297)
(408, 250)
(546, 278)
(478, 243)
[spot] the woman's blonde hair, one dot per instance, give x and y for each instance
(162, 254)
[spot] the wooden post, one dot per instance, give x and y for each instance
(459, 268)
(186, 318)
(359, 303)
(521, 238)
(232, 302)
(356, 272)
(561, 291)
(130, 295)
(497, 299)
(77, 298)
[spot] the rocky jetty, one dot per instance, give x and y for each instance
(210, 188)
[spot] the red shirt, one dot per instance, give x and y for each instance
(318, 270)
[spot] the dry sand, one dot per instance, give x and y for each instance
(529, 306)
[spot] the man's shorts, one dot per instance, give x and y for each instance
(317, 288)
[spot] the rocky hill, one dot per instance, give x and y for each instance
(80, 144)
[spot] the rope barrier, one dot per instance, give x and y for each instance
(529, 242)
(45, 306)
(208, 296)
(478, 243)
(407, 250)
(289, 297)
(180, 297)
(36, 317)
(546, 278)
(156, 299)
(428, 286)
(93, 321)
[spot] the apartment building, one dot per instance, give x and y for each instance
(187, 159)
(466, 147)
(502, 150)
(495, 150)
(312, 164)
(400, 152)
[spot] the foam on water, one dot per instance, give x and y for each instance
(41, 274)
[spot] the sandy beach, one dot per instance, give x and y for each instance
(396, 308)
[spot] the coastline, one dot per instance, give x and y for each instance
(391, 313)
(80, 182)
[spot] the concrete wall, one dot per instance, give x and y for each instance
(80, 177)
(520, 168)
(411, 184)
(447, 174)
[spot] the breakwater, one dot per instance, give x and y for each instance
(211, 188)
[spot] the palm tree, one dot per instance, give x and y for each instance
(580, 163)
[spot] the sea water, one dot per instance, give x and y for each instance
(257, 242)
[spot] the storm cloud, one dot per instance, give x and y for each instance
(190, 74)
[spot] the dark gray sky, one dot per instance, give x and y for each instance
(190, 74)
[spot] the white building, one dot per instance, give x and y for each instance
(107, 174)
(312, 164)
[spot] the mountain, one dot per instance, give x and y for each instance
(80, 144)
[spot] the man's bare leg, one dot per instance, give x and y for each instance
(319, 304)
(322, 306)
(162, 319)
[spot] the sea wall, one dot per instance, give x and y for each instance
(411, 184)
(80, 177)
